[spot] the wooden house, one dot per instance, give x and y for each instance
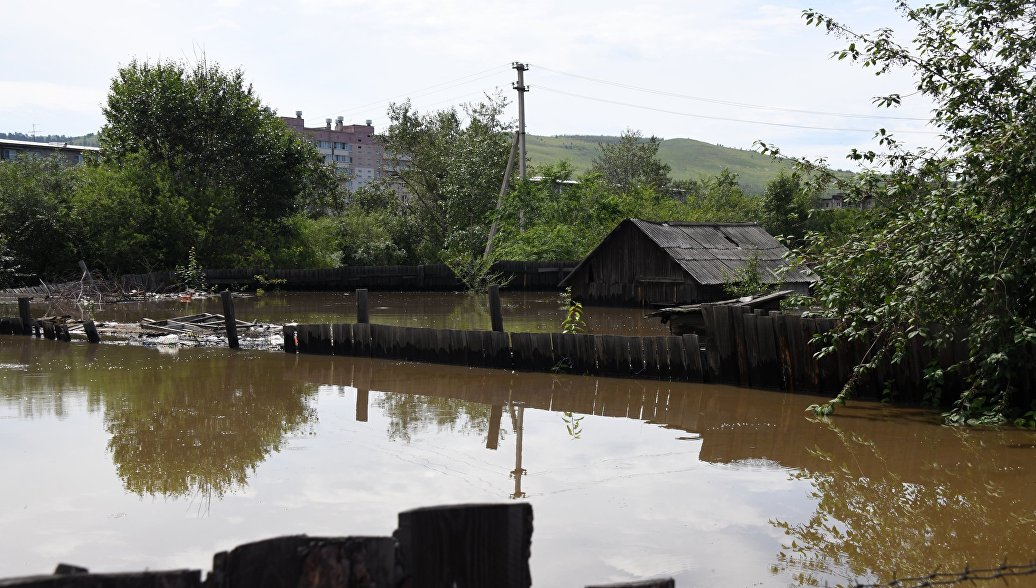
(649, 263)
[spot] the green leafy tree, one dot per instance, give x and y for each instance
(450, 164)
(36, 218)
(8, 264)
(130, 216)
(240, 169)
(632, 162)
(951, 241)
(786, 207)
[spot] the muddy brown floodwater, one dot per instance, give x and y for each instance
(535, 312)
(125, 458)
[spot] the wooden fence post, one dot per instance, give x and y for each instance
(229, 318)
(495, 315)
(467, 545)
(91, 332)
(23, 312)
(362, 315)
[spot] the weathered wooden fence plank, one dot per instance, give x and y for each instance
(467, 545)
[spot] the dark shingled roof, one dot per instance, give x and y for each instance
(712, 252)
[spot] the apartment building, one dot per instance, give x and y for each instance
(12, 149)
(356, 154)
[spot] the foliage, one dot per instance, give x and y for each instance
(950, 241)
(8, 264)
(36, 213)
(475, 272)
(554, 219)
(631, 162)
(240, 170)
(573, 322)
(192, 275)
(745, 281)
(450, 167)
(786, 207)
(377, 228)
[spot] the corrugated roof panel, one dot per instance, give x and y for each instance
(753, 236)
(712, 253)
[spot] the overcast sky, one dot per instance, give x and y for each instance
(655, 65)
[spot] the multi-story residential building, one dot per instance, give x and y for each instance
(12, 149)
(353, 149)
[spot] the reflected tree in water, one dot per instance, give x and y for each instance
(409, 414)
(201, 431)
(904, 523)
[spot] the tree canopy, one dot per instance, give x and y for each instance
(632, 162)
(948, 253)
(450, 164)
(240, 169)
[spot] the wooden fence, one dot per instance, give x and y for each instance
(434, 547)
(524, 275)
(758, 350)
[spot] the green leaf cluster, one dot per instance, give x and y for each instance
(948, 253)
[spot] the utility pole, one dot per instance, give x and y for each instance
(522, 89)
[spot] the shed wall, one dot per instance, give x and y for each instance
(631, 269)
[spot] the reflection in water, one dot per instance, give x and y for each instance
(176, 429)
(199, 431)
(408, 414)
(674, 478)
(878, 521)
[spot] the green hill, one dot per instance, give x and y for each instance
(688, 158)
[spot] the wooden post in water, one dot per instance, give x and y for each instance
(23, 312)
(362, 314)
(229, 318)
(91, 332)
(362, 401)
(496, 412)
(495, 315)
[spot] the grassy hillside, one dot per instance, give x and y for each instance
(689, 159)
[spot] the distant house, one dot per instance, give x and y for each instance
(11, 149)
(643, 263)
(838, 200)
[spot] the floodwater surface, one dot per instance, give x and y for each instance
(124, 458)
(532, 312)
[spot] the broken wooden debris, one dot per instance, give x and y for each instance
(205, 322)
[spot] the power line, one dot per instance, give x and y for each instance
(724, 118)
(730, 102)
(461, 81)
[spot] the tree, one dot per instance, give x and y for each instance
(8, 264)
(786, 206)
(632, 162)
(242, 171)
(451, 167)
(36, 219)
(948, 252)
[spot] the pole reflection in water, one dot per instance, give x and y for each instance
(713, 485)
(517, 416)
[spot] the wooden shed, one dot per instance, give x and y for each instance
(646, 263)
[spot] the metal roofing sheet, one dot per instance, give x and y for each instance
(712, 252)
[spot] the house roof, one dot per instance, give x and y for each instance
(712, 252)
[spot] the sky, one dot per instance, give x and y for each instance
(667, 68)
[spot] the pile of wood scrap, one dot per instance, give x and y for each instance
(688, 319)
(204, 323)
